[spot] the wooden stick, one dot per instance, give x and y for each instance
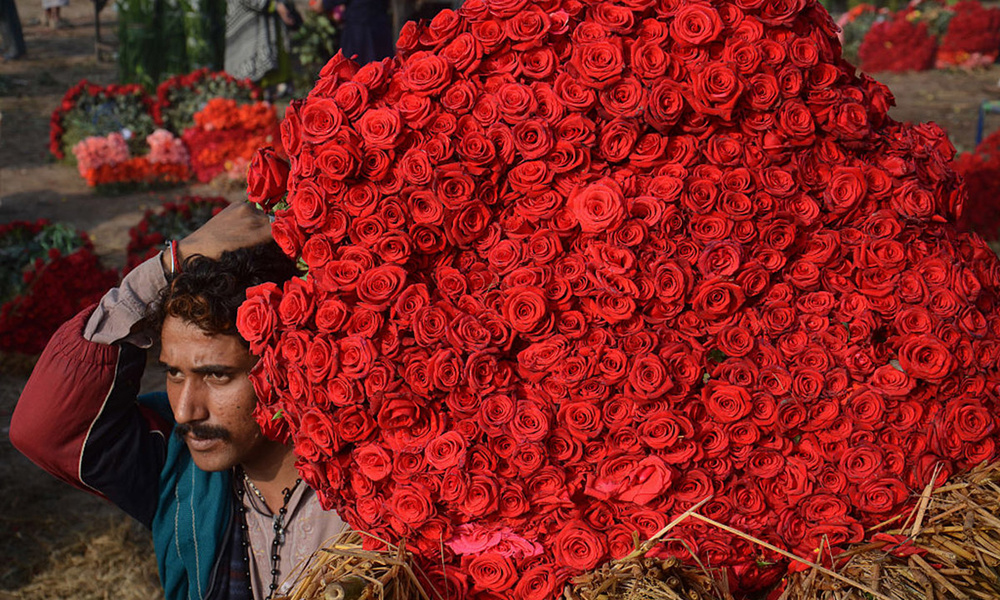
(925, 500)
(644, 548)
(791, 556)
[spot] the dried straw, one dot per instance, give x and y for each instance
(957, 527)
(117, 563)
(344, 570)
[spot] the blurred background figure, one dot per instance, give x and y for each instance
(257, 40)
(53, 19)
(11, 38)
(365, 30)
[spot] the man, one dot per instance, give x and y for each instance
(230, 518)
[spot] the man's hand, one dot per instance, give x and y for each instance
(238, 225)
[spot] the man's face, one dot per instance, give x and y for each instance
(210, 394)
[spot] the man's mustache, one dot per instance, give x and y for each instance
(201, 431)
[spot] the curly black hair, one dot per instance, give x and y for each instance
(208, 292)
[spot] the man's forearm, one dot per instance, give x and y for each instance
(122, 308)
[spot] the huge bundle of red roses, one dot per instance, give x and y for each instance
(225, 133)
(981, 171)
(47, 274)
(575, 266)
(172, 221)
(898, 44)
(972, 38)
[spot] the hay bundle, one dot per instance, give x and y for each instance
(644, 578)
(957, 530)
(344, 570)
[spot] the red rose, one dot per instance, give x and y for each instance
(266, 178)
(578, 547)
(925, 357)
(726, 403)
(410, 503)
(881, 496)
(426, 74)
(598, 63)
(525, 309)
(538, 583)
(715, 90)
(321, 118)
(716, 299)
(491, 571)
(446, 451)
(598, 207)
(378, 287)
(257, 317)
(696, 24)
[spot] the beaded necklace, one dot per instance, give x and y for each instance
(279, 531)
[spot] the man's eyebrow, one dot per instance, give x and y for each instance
(208, 369)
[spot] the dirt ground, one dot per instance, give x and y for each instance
(56, 542)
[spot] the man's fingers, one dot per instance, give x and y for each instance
(238, 225)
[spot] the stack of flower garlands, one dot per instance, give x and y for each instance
(926, 34)
(981, 171)
(181, 96)
(172, 221)
(47, 273)
(118, 135)
(576, 266)
(104, 161)
(226, 135)
(91, 110)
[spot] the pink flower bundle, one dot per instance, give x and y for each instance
(576, 266)
(94, 152)
(165, 147)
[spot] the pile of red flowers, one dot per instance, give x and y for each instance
(925, 34)
(172, 221)
(47, 274)
(576, 265)
(898, 44)
(972, 38)
(981, 171)
(181, 96)
(226, 132)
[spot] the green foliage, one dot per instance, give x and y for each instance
(158, 38)
(854, 34)
(313, 45)
(935, 15)
(21, 246)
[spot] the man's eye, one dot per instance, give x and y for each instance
(173, 373)
(218, 377)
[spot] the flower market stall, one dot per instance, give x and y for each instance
(200, 125)
(577, 268)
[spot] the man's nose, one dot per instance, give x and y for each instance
(190, 406)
